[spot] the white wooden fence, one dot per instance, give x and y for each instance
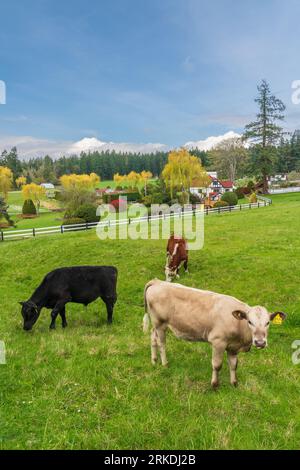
(35, 232)
(292, 189)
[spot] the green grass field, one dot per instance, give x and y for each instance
(93, 386)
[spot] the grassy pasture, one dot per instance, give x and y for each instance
(93, 386)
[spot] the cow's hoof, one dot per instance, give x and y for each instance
(154, 362)
(215, 385)
(166, 364)
(235, 383)
(52, 327)
(65, 325)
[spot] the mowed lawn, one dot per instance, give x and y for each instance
(93, 386)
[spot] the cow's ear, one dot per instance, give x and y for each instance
(274, 315)
(239, 314)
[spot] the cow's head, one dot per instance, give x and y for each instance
(258, 319)
(30, 314)
(170, 273)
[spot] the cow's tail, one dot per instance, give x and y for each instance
(146, 319)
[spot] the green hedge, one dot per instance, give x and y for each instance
(230, 197)
(29, 207)
(131, 196)
(87, 212)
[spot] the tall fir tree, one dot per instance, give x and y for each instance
(265, 132)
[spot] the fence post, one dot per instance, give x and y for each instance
(219, 210)
(61, 229)
(240, 207)
(2, 236)
(249, 206)
(33, 232)
(86, 226)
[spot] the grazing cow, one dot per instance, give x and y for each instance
(177, 253)
(79, 284)
(198, 315)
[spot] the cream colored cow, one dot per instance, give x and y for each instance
(198, 315)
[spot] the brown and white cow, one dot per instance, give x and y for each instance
(177, 253)
(198, 315)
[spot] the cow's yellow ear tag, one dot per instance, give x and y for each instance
(277, 320)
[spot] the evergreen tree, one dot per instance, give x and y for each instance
(264, 131)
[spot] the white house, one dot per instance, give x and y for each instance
(215, 189)
(49, 188)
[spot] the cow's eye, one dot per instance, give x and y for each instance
(250, 323)
(267, 324)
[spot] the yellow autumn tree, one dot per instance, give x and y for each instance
(133, 179)
(118, 179)
(34, 192)
(80, 181)
(6, 180)
(21, 181)
(78, 189)
(145, 176)
(180, 171)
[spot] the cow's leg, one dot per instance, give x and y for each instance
(217, 361)
(110, 302)
(57, 309)
(185, 265)
(233, 363)
(161, 339)
(153, 346)
(63, 317)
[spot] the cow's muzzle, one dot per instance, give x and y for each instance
(260, 344)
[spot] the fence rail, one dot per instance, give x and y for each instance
(292, 189)
(35, 232)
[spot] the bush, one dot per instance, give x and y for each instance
(231, 198)
(73, 221)
(119, 204)
(253, 198)
(86, 212)
(194, 199)
(58, 196)
(29, 207)
(221, 204)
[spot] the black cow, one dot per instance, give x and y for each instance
(79, 284)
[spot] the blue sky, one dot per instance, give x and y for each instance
(166, 71)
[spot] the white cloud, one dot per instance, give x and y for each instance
(210, 142)
(32, 147)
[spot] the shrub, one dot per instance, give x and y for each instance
(231, 198)
(119, 204)
(194, 199)
(29, 207)
(240, 192)
(253, 198)
(87, 212)
(251, 185)
(183, 197)
(221, 204)
(73, 221)
(58, 195)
